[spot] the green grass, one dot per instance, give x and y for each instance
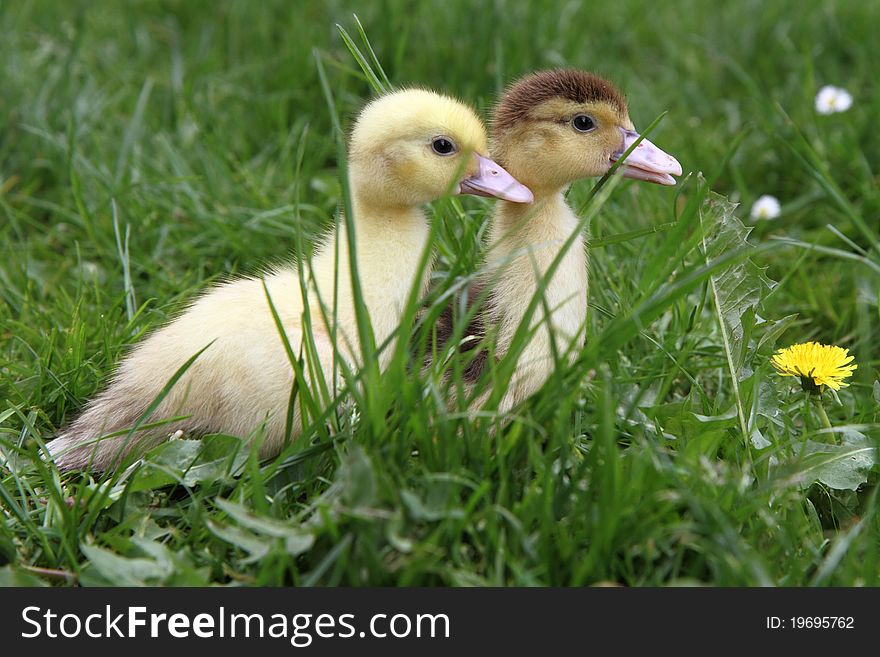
(148, 149)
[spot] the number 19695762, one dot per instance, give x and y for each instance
(810, 623)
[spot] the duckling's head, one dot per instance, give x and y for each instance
(412, 146)
(557, 126)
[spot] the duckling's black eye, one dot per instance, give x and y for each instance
(443, 145)
(583, 123)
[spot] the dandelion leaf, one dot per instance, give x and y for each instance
(294, 537)
(773, 329)
(191, 461)
(841, 467)
(254, 545)
(740, 288)
(122, 571)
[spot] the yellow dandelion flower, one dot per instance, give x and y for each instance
(815, 364)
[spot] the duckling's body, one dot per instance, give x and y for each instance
(241, 383)
(549, 130)
(243, 379)
(524, 245)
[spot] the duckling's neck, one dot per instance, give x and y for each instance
(524, 242)
(389, 243)
(547, 217)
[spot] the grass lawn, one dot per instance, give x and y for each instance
(148, 149)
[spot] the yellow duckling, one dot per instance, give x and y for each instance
(407, 148)
(550, 129)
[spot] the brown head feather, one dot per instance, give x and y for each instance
(569, 84)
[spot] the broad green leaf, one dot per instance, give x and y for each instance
(759, 441)
(183, 571)
(736, 291)
(740, 288)
(12, 576)
(257, 547)
(842, 467)
(164, 464)
(772, 331)
(356, 478)
(677, 419)
(122, 571)
(191, 462)
(221, 458)
(296, 539)
(765, 409)
(430, 510)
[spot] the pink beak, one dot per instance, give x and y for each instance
(646, 162)
(492, 180)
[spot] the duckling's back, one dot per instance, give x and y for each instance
(242, 371)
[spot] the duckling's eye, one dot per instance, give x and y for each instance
(583, 123)
(443, 146)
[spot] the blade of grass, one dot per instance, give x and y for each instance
(386, 83)
(122, 250)
(377, 84)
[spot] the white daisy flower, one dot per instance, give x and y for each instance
(830, 100)
(766, 207)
